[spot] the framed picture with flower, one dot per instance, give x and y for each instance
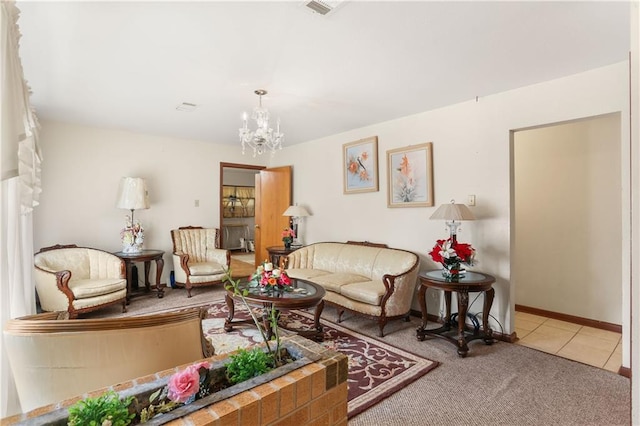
(410, 176)
(360, 165)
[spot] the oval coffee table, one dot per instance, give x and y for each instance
(304, 295)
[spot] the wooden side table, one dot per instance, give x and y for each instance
(276, 253)
(145, 256)
(471, 282)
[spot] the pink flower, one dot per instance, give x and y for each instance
(186, 383)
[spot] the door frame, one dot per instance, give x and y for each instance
(221, 180)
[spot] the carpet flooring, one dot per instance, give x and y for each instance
(501, 384)
(376, 369)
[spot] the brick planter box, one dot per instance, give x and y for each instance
(313, 391)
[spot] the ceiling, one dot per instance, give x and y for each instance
(128, 65)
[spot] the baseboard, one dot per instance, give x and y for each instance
(625, 371)
(602, 325)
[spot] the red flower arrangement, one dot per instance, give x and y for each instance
(268, 277)
(450, 252)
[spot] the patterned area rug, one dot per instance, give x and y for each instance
(376, 369)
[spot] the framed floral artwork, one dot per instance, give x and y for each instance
(410, 176)
(360, 165)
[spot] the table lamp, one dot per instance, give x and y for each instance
(133, 195)
(296, 213)
(453, 212)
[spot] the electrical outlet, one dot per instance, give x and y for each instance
(471, 200)
(196, 203)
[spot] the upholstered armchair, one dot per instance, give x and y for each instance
(197, 260)
(53, 359)
(79, 279)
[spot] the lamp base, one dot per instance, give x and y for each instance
(132, 248)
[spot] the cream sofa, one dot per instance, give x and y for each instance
(79, 279)
(364, 278)
(54, 359)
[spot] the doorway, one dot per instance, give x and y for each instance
(567, 228)
(237, 207)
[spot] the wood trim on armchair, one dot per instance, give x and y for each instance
(48, 323)
(58, 246)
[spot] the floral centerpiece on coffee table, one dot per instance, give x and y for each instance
(270, 278)
(452, 255)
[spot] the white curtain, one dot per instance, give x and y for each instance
(20, 189)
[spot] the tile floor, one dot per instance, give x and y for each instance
(600, 348)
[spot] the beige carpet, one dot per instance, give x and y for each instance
(502, 384)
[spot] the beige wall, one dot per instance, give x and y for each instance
(471, 145)
(81, 172)
(567, 255)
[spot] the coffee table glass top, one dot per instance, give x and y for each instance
(299, 289)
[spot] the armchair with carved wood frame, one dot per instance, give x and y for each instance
(197, 258)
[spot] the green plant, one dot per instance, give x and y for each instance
(105, 410)
(246, 364)
(272, 312)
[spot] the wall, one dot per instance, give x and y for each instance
(567, 201)
(471, 148)
(81, 172)
(471, 156)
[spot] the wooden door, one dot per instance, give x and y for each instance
(273, 197)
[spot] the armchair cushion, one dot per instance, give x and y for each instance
(78, 279)
(205, 268)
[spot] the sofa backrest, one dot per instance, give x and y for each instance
(53, 360)
(83, 262)
(195, 241)
(371, 262)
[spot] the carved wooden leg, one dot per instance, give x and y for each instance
(423, 309)
(231, 306)
(463, 304)
(147, 283)
(188, 287)
(124, 305)
(381, 323)
(316, 317)
(488, 301)
(447, 302)
(159, 266)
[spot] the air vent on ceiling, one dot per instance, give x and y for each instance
(187, 107)
(322, 7)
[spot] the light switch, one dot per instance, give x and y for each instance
(472, 200)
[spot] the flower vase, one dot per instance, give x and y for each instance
(452, 271)
(287, 244)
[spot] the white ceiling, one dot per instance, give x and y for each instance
(127, 65)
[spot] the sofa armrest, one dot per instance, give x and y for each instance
(53, 285)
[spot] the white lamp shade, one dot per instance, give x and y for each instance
(296, 211)
(132, 194)
(453, 211)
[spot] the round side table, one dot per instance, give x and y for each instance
(470, 282)
(276, 253)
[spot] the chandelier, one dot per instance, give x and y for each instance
(264, 137)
